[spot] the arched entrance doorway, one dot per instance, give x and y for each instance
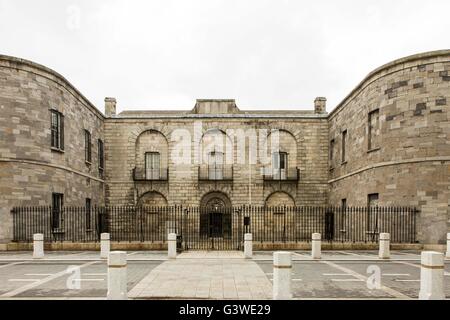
(215, 216)
(219, 228)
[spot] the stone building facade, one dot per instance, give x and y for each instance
(387, 143)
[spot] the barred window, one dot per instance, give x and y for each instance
(88, 214)
(87, 146)
(57, 130)
(344, 145)
(374, 129)
(57, 206)
(331, 150)
(101, 159)
(152, 165)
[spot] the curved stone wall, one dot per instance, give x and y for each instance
(407, 161)
(30, 171)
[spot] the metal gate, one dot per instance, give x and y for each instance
(213, 228)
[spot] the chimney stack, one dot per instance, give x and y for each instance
(110, 107)
(320, 105)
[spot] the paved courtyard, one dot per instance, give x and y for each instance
(211, 275)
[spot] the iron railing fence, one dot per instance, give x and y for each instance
(159, 174)
(215, 173)
(201, 228)
(288, 174)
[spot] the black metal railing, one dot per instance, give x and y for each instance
(161, 174)
(215, 173)
(204, 228)
(289, 174)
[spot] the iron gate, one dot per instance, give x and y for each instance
(213, 228)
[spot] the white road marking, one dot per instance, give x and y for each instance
(23, 280)
(27, 287)
(388, 290)
(88, 280)
(406, 280)
(38, 274)
(334, 274)
(297, 280)
(94, 274)
(347, 280)
(132, 253)
(396, 275)
(10, 264)
(356, 254)
(418, 266)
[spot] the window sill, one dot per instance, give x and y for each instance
(57, 150)
(373, 150)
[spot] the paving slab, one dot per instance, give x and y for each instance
(205, 275)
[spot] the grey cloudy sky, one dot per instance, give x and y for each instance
(266, 54)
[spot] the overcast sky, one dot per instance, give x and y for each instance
(266, 54)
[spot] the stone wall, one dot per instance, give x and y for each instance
(29, 170)
(409, 162)
(304, 138)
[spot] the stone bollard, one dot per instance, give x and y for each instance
(117, 276)
(432, 276)
(384, 246)
(282, 267)
(248, 245)
(448, 246)
(316, 247)
(172, 245)
(38, 246)
(105, 245)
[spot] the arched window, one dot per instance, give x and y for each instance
(152, 165)
(215, 165)
(279, 165)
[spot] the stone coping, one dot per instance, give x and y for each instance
(398, 62)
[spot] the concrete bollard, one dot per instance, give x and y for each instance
(172, 245)
(117, 276)
(38, 246)
(316, 247)
(105, 245)
(448, 246)
(282, 267)
(248, 246)
(432, 276)
(384, 246)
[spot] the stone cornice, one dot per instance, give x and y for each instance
(14, 63)
(391, 163)
(50, 165)
(399, 62)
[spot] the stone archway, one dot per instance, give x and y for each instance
(152, 199)
(215, 216)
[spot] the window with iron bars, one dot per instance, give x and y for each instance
(87, 146)
(57, 130)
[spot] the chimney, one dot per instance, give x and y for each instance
(110, 107)
(320, 105)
